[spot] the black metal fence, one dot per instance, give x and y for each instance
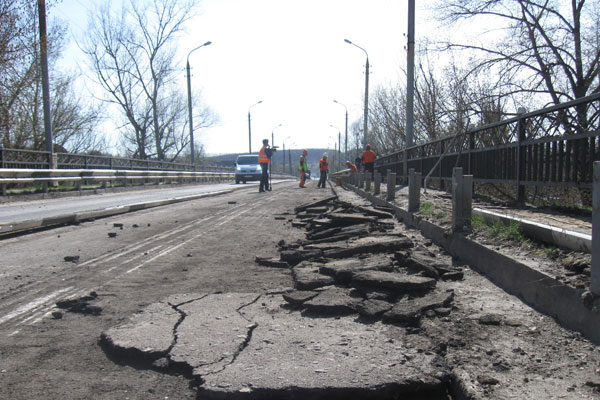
(31, 159)
(553, 146)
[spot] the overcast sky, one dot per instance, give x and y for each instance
(291, 55)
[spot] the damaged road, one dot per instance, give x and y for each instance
(373, 311)
(244, 345)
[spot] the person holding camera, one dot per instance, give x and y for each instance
(264, 159)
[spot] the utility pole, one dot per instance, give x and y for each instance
(410, 74)
(410, 85)
(45, 78)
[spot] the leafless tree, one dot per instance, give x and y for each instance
(132, 55)
(21, 120)
(550, 47)
(387, 119)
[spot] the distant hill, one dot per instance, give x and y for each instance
(314, 155)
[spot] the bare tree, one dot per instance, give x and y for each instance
(21, 120)
(550, 46)
(132, 55)
(387, 119)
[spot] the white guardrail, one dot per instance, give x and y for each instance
(77, 176)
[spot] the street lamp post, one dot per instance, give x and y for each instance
(345, 130)
(189, 89)
(366, 91)
(250, 128)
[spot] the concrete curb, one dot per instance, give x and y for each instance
(565, 238)
(107, 212)
(540, 291)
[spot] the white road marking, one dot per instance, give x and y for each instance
(32, 305)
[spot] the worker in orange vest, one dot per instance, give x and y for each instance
(324, 168)
(368, 159)
(303, 168)
(264, 159)
(352, 167)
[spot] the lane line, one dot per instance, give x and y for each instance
(32, 305)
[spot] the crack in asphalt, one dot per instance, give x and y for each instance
(249, 330)
(182, 316)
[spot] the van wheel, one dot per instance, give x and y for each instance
(237, 181)
(244, 182)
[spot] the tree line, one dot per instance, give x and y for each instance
(534, 54)
(131, 57)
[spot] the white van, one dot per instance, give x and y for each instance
(247, 168)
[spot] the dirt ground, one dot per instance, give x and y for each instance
(499, 347)
(570, 267)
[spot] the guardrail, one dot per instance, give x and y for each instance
(80, 176)
(36, 159)
(535, 148)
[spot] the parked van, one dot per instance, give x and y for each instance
(247, 168)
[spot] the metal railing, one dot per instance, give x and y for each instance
(33, 159)
(78, 177)
(552, 146)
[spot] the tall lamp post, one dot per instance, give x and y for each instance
(189, 90)
(366, 91)
(250, 127)
(345, 130)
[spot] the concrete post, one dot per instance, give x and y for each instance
(367, 181)
(595, 284)
(361, 180)
(414, 190)
(462, 193)
(377, 184)
(391, 186)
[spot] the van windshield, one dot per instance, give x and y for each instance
(247, 160)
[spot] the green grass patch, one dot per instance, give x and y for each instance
(511, 232)
(429, 208)
(426, 208)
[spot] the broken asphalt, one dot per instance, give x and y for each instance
(376, 311)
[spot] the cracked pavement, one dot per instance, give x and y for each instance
(246, 345)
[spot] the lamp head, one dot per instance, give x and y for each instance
(207, 43)
(347, 41)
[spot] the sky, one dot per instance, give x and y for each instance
(289, 54)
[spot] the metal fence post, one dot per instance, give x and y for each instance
(521, 128)
(595, 284)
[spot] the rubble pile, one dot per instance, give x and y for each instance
(356, 259)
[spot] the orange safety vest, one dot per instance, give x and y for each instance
(368, 156)
(323, 165)
(262, 156)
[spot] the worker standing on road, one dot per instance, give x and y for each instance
(303, 168)
(264, 159)
(368, 159)
(324, 169)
